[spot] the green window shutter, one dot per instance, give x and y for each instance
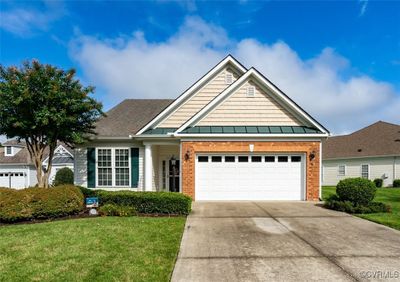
(134, 167)
(91, 167)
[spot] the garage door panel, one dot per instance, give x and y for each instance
(249, 180)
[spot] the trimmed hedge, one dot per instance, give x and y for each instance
(334, 203)
(396, 183)
(148, 202)
(358, 191)
(144, 202)
(39, 203)
(378, 182)
(114, 210)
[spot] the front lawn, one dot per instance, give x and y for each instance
(91, 249)
(390, 196)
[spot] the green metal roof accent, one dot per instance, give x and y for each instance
(160, 131)
(250, 130)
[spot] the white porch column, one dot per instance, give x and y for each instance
(148, 168)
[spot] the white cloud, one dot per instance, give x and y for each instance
(134, 67)
(26, 21)
(363, 9)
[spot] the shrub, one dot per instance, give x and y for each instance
(39, 203)
(115, 210)
(378, 182)
(334, 203)
(396, 183)
(88, 192)
(148, 202)
(64, 176)
(359, 191)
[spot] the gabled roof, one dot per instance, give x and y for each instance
(378, 139)
(263, 81)
(228, 60)
(129, 116)
(22, 156)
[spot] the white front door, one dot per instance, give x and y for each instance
(250, 177)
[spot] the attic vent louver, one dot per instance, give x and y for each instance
(251, 90)
(228, 78)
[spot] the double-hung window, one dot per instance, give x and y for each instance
(113, 167)
(365, 171)
(341, 170)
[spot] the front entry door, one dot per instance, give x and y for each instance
(173, 176)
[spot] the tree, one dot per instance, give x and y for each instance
(42, 104)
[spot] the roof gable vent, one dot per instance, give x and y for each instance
(251, 91)
(228, 78)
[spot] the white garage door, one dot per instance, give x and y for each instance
(15, 179)
(250, 177)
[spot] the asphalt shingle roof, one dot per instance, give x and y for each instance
(378, 139)
(130, 116)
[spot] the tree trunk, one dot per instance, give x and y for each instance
(36, 150)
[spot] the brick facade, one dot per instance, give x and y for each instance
(307, 147)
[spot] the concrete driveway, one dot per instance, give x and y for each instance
(284, 241)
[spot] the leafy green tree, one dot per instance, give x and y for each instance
(42, 104)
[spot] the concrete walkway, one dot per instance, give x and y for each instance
(284, 241)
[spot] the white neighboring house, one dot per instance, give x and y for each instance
(17, 169)
(372, 152)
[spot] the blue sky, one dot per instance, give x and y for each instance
(339, 60)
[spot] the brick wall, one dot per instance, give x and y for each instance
(307, 147)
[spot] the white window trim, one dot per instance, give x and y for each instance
(113, 167)
(361, 171)
(345, 170)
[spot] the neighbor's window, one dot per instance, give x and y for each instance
(341, 170)
(365, 171)
(113, 167)
(8, 150)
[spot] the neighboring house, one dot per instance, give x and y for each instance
(17, 169)
(233, 135)
(371, 152)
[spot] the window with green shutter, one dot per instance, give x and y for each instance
(134, 167)
(91, 167)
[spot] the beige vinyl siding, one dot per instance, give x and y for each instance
(199, 100)
(239, 109)
(377, 168)
(80, 163)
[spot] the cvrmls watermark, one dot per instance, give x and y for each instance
(380, 274)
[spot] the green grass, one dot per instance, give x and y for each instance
(91, 249)
(390, 196)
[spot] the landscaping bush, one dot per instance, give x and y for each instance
(39, 203)
(334, 203)
(396, 183)
(148, 202)
(378, 182)
(116, 210)
(358, 191)
(88, 192)
(64, 176)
